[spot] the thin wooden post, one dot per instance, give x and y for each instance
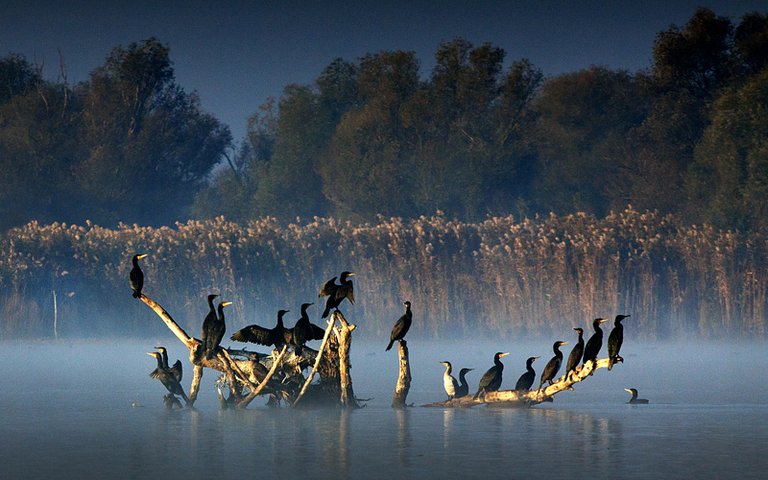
(403, 378)
(344, 333)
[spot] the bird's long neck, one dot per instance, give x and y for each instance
(581, 337)
(462, 379)
(497, 362)
(557, 351)
(135, 262)
(280, 320)
(634, 395)
(529, 367)
(159, 361)
(448, 368)
(598, 330)
(221, 313)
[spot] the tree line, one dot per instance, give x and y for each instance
(377, 136)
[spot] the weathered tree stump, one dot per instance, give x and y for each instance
(403, 378)
(514, 398)
(250, 374)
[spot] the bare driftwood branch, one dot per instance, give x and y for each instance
(318, 358)
(403, 378)
(248, 377)
(344, 334)
(514, 398)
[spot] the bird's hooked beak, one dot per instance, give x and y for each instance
(628, 390)
(504, 354)
(152, 354)
(534, 358)
(141, 255)
(601, 320)
(226, 304)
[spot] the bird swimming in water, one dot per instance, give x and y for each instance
(634, 399)
(304, 330)
(337, 293)
(450, 385)
(553, 365)
(167, 378)
(137, 276)
(265, 336)
(525, 382)
(615, 339)
(176, 369)
(595, 342)
(463, 389)
(402, 326)
(574, 358)
(209, 327)
(491, 379)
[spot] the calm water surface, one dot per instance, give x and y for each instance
(67, 414)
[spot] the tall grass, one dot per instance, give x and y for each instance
(500, 277)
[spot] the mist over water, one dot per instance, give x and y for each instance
(66, 412)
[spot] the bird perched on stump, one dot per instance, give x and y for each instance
(337, 293)
(137, 276)
(615, 339)
(402, 326)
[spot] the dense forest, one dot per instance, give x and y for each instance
(483, 190)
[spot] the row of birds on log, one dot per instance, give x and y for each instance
(581, 353)
(214, 327)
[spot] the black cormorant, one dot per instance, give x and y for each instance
(491, 379)
(634, 398)
(615, 339)
(449, 383)
(337, 293)
(209, 327)
(463, 389)
(595, 342)
(553, 365)
(166, 377)
(402, 326)
(574, 358)
(176, 369)
(137, 276)
(304, 330)
(215, 332)
(265, 336)
(525, 382)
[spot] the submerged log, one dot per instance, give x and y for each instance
(514, 398)
(403, 378)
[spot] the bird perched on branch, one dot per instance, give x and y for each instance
(209, 327)
(166, 377)
(137, 276)
(595, 342)
(553, 365)
(176, 369)
(337, 293)
(574, 358)
(402, 326)
(215, 331)
(491, 379)
(615, 339)
(277, 336)
(634, 398)
(450, 385)
(304, 330)
(525, 382)
(463, 389)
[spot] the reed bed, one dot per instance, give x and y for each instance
(502, 277)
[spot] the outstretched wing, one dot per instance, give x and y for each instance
(315, 332)
(327, 288)
(254, 334)
(176, 370)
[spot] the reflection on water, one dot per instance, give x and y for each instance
(83, 426)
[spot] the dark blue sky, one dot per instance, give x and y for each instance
(236, 54)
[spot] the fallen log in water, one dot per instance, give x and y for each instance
(514, 398)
